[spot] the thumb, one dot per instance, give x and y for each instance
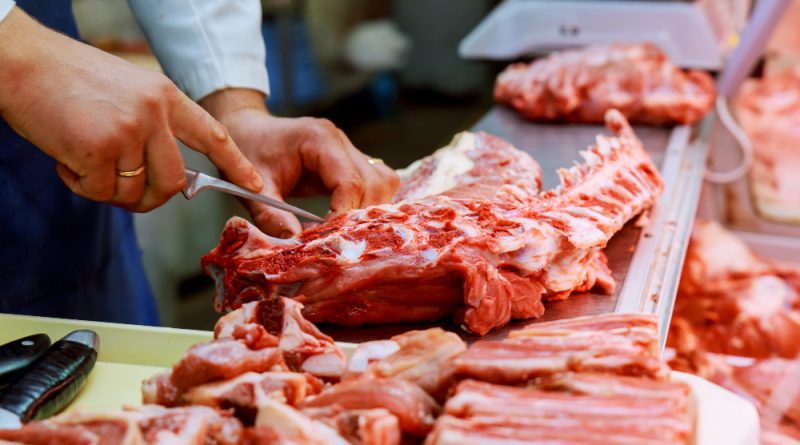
(270, 220)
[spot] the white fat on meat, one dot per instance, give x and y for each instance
(295, 426)
(450, 162)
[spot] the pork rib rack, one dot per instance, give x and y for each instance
(469, 238)
(581, 85)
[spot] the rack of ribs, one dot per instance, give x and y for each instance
(581, 85)
(484, 252)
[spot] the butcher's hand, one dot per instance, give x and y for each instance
(299, 157)
(98, 115)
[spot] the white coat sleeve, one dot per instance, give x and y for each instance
(5, 8)
(206, 45)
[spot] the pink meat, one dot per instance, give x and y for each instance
(483, 260)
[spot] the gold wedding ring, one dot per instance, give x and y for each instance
(375, 161)
(131, 173)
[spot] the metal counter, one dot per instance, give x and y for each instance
(646, 262)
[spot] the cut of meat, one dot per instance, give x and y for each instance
(279, 322)
(486, 413)
(283, 424)
(360, 427)
(222, 359)
(473, 166)
(145, 425)
(624, 344)
(736, 302)
(768, 111)
(482, 260)
(246, 392)
(268, 335)
(422, 357)
(672, 393)
(366, 354)
(581, 85)
(413, 407)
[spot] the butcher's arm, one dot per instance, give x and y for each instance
(97, 115)
(213, 50)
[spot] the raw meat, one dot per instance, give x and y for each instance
(624, 344)
(482, 260)
(413, 407)
(284, 425)
(145, 425)
(304, 347)
(767, 109)
(420, 357)
(268, 335)
(246, 392)
(473, 166)
(360, 426)
(482, 413)
(736, 302)
(581, 85)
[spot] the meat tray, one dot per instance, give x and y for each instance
(646, 263)
(130, 354)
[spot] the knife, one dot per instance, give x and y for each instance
(18, 354)
(51, 382)
(196, 182)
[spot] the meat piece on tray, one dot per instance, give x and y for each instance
(473, 166)
(581, 85)
(278, 423)
(360, 426)
(481, 413)
(624, 344)
(246, 392)
(268, 335)
(736, 302)
(279, 322)
(413, 407)
(147, 424)
(420, 357)
(482, 260)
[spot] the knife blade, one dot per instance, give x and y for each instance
(18, 354)
(51, 382)
(196, 182)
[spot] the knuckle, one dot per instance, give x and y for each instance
(354, 185)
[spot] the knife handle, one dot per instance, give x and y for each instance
(18, 354)
(53, 380)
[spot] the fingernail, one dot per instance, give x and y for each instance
(257, 183)
(219, 131)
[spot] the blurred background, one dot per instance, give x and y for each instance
(386, 72)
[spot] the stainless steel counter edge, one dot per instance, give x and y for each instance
(651, 283)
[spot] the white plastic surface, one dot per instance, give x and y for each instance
(518, 28)
(721, 417)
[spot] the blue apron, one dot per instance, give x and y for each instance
(62, 255)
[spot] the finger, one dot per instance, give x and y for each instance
(337, 172)
(374, 190)
(201, 132)
(97, 186)
(270, 220)
(129, 189)
(378, 187)
(164, 170)
(389, 179)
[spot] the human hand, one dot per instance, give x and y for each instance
(299, 156)
(97, 115)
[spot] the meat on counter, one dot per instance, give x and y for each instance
(580, 85)
(483, 252)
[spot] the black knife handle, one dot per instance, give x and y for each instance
(52, 381)
(18, 354)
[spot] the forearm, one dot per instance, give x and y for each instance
(227, 102)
